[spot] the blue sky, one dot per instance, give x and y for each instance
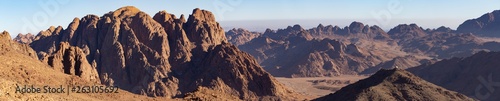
(23, 16)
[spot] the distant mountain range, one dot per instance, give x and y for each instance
(298, 52)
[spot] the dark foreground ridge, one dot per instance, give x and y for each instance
(393, 85)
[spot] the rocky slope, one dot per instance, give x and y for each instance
(160, 55)
(474, 76)
(486, 25)
(240, 36)
(7, 45)
(394, 84)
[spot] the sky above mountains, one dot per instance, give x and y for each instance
(32, 16)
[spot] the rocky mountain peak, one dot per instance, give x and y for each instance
(356, 27)
(239, 36)
(320, 26)
(202, 15)
(125, 11)
(405, 31)
(24, 38)
(297, 27)
(443, 29)
(203, 30)
(486, 25)
(5, 35)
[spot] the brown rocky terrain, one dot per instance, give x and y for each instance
(161, 56)
(394, 84)
(240, 36)
(298, 52)
(486, 25)
(292, 52)
(20, 67)
(7, 45)
(24, 38)
(441, 43)
(474, 76)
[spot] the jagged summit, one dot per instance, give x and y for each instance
(393, 84)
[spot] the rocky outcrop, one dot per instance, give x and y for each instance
(475, 76)
(203, 30)
(394, 84)
(240, 36)
(180, 45)
(162, 55)
(486, 25)
(71, 60)
(24, 38)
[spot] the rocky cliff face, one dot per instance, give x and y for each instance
(486, 25)
(394, 84)
(474, 76)
(71, 60)
(161, 55)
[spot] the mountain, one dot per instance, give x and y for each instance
(24, 38)
(441, 43)
(160, 56)
(406, 32)
(394, 84)
(355, 29)
(240, 36)
(474, 76)
(293, 52)
(486, 25)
